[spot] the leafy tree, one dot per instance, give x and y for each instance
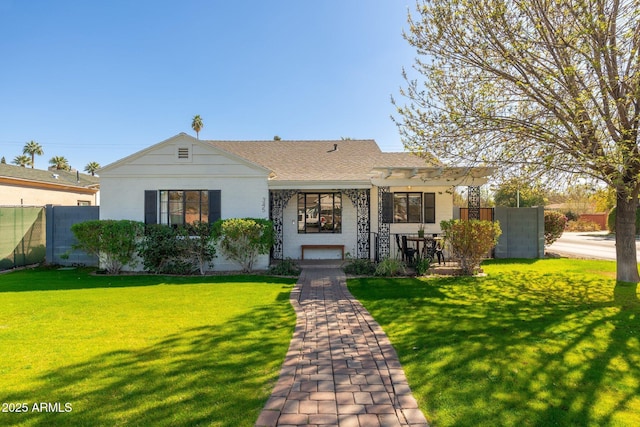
(277, 138)
(32, 148)
(514, 193)
(60, 163)
(92, 167)
(538, 86)
(3, 161)
(242, 239)
(605, 199)
(22, 160)
(197, 125)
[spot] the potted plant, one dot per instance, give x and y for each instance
(421, 230)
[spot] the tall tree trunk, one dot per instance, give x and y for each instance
(627, 259)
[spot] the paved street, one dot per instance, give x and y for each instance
(593, 245)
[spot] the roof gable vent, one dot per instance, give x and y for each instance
(183, 152)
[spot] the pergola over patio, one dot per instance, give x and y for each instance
(385, 177)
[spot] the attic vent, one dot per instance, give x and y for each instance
(183, 153)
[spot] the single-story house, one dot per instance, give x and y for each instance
(21, 186)
(328, 196)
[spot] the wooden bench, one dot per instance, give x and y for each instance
(304, 247)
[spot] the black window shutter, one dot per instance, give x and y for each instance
(150, 207)
(429, 208)
(215, 206)
(387, 208)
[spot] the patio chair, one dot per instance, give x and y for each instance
(432, 249)
(408, 252)
(399, 247)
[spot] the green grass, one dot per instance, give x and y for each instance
(535, 343)
(141, 350)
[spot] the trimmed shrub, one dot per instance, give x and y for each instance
(177, 250)
(201, 245)
(360, 267)
(611, 220)
(286, 267)
(470, 241)
(114, 242)
(242, 239)
(554, 225)
(571, 216)
(582, 225)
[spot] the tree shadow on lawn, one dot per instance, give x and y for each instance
(481, 351)
(219, 376)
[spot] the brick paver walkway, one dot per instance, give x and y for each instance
(341, 369)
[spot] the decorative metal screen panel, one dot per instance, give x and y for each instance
(361, 201)
(278, 200)
(474, 202)
(384, 229)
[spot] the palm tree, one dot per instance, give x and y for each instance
(92, 167)
(22, 160)
(32, 148)
(197, 125)
(60, 162)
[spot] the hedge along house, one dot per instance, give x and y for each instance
(330, 197)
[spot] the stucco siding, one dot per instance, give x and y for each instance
(444, 209)
(16, 196)
(292, 240)
(243, 186)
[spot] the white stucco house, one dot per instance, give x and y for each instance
(328, 196)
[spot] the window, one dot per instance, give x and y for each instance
(411, 207)
(407, 207)
(319, 213)
(179, 207)
(84, 203)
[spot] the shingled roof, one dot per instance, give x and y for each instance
(345, 160)
(56, 177)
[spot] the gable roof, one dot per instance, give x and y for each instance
(59, 178)
(344, 160)
(179, 139)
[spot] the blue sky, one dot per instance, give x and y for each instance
(100, 80)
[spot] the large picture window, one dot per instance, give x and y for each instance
(319, 213)
(180, 207)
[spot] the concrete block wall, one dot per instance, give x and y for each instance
(60, 238)
(522, 232)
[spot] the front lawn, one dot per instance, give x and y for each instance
(535, 343)
(140, 350)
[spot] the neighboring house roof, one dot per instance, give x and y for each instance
(344, 160)
(53, 179)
